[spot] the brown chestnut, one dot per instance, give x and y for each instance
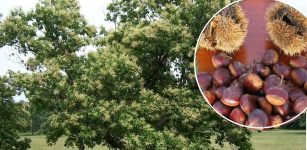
(262, 70)
(298, 62)
(275, 120)
(299, 76)
(231, 96)
(248, 103)
(253, 82)
(258, 118)
(210, 96)
(221, 108)
(204, 80)
(221, 60)
(270, 57)
(281, 70)
(236, 69)
(265, 105)
(283, 110)
(237, 115)
(271, 80)
(299, 104)
(277, 95)
(295, 93)
(221, 77)
(305, 86)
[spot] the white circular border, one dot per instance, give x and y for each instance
(195, 72)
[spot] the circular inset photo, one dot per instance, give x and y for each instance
(250, 63)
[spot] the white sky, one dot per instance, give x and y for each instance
(300, 5)
(93, 10)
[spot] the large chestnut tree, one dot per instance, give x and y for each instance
(137, 91)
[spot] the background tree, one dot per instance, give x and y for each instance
(10, 118)
(137, 91)
(298, 124)
(34, 118)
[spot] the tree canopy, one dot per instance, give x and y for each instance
(136, 91)
(10, 118)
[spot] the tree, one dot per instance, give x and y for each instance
(137, 91)
(10, 120)
(34, 118)
(298, 124)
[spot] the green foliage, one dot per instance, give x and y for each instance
(163, 42)
(10, 118)
(36, 117)
(137, 91)
(299, 123)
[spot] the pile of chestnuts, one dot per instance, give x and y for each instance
(265, 94)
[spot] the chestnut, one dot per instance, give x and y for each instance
(204, 80)
(277, 95)
(262, 70)
(265, 105)
(248, 103)
(219, 91)
(275, 120)
(270, 57)
(305, 86)
(258, 118)
(271, 80)
(221, 77)
(237, 115)
(299, 104)
(242, 78)
(231, 96)
(298, 62)
(236, 83)
(295, 93)
(221, 108)
(236, 69)
(252, 82)
(221, 60)
(283, 110)
(299, 76)
(281, 70)
(210, 96)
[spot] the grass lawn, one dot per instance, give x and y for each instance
(39, 143)
(280, 140)
(277, 139)
(266, 140)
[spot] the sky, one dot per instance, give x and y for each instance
(93, 10)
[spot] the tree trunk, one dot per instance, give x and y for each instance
(114, 143)
(32, 126)
(81, 145)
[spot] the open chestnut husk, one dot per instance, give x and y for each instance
(287, 28)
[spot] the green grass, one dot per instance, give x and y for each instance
(39, 143)
(278, 139)
(265, 140)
